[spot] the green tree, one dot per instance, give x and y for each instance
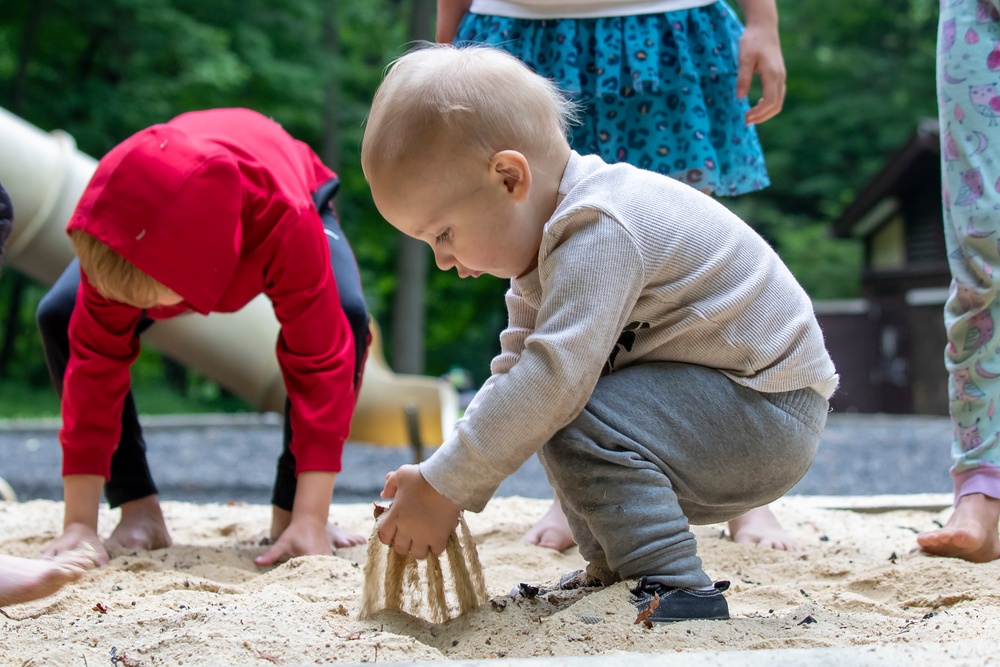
(861, 75)
(860, 79)
(102, 72)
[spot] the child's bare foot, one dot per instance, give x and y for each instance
(77, 537)
(26, 579)
(971, 532)
(760, 526)
(339, 538)
(552, 531)
(142, 527)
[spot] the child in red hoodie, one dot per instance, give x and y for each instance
(202, 214)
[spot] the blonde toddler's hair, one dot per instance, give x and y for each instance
(474, 98)
(113, 275)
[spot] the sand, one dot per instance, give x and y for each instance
(856, 580)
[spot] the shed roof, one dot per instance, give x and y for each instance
(888, 182)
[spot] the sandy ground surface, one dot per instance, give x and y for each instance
(855, 581)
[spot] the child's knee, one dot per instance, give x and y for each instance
(54, 311)
(356, 311)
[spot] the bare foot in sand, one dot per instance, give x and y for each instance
(760, 526)
(142, 527)
(552, 531)
(971, 532)
(26, 579)
(339, 538)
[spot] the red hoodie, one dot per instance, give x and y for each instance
(217, 206)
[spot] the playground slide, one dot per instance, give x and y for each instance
(45, 175)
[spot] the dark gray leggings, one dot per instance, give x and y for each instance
(662, 445)
(130, 475)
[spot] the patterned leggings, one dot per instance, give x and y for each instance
(968, 79)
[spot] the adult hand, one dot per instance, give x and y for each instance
(420, 519)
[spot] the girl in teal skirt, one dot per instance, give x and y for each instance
(663, 84)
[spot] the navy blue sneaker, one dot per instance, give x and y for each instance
(664, 604)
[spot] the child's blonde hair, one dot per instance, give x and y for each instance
(478, 98)
(114, 276)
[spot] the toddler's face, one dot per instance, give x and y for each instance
(466, 216)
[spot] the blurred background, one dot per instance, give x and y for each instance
(854, 208)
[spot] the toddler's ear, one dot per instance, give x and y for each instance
(512, 169)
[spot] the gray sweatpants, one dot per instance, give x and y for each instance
(662, 445)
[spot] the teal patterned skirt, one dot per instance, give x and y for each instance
(657, 90)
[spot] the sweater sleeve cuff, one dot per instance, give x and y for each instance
(461, 477)
(318, 457)
(86, 462)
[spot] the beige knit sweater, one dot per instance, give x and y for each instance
(633, 267)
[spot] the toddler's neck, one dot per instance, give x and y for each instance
(547, 174)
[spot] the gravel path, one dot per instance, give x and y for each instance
(221, 458)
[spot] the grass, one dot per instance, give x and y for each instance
(18, 401)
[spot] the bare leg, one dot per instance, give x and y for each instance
(552, 531)
(339, 538)
(971, 532)
(142, 526)
(760, 526)
(26, 579)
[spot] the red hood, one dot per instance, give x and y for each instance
(163, 194)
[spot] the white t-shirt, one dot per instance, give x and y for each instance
(580, 9)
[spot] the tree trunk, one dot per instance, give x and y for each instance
(408, 310)
(411, 270)
(32, 23)
(330, 149)
(422, 19)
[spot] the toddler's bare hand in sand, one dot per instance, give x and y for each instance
(303, 537)
(77, 536)
(420, 519)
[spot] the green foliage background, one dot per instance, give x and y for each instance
(861, 76)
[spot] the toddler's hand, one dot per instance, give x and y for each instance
(77, 536)
(420, 519)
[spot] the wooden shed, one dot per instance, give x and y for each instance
(889, 345)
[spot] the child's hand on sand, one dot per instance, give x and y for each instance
(77, 536)
(420, 519)
(305, 536)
